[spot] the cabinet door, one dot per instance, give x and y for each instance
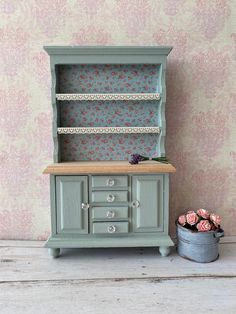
(147, 190)
(71, 192)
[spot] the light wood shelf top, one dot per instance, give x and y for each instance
(103, 167)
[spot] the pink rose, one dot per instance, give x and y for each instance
(215, 219)
(190, 211)
(203, 226)
(203, 213)
(192, 218)
(182, 220)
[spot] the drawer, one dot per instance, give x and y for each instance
(109, 181)
(110, 227)
(110, 213)
(110, 196)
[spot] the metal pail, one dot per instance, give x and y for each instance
(201, 247)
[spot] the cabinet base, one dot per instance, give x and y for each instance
(54, 252)
(161, 241)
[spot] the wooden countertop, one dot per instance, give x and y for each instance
(88, 167)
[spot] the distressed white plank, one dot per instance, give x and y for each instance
(23, 263)
(21, 243)
(128, 296)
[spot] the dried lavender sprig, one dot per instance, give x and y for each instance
(136, 158)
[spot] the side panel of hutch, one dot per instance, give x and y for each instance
(108, 103)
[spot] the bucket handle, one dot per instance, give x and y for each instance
(219, 234)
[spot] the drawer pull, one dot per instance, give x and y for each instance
(85, 206)
(135, 204)
(110, 198)
(110, 214)
(111, 229)
(110, 182)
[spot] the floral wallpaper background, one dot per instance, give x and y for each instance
(200, 110)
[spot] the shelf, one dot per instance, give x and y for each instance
(140, 96)
(108, 130)
(86, 167)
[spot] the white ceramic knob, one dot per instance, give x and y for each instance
(110, 214)
(111, 229)
(110, 198)
(135, 204)
(85, 206)
(110, 182)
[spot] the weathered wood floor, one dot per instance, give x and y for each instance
(113, 281)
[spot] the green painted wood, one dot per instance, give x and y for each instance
(110, 213)
(109, 181)
(105, 196)
(110, 228)
(166, 202)
(108, 50)
(161, 110)
(125, 240)
(53, 204)
(149, 223)
(72, 191)
(148, 214)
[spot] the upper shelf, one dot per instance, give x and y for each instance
(139, 96)
(107, 130)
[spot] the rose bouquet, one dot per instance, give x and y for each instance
(201, 220)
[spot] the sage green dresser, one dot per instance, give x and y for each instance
(108, 102)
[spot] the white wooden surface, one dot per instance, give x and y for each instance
(113, 281)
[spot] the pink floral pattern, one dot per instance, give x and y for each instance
(15, 224)
(41, 66)
(173, 7)
(92, 35)
(106, 147)
(117, 113)
(49, 16)
(14, 49)
(15, 170)
(114, 78)
(177, 38)
(210, 16)
(210, 71)
(90, 7)
(135, 22)
(200, 98)
(14, 111)
(213, 126)
(209, 187)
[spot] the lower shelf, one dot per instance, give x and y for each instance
(113, 241)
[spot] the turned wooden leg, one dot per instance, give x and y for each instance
(54, 252)
(164, 250)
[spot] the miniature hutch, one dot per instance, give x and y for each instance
(108, 103)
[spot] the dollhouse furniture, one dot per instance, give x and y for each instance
(108, 102)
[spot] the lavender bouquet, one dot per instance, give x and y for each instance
(136, 158)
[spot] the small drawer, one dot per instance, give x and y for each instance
(110, 213)
(110, 227)
(109, 196)
(109, 181)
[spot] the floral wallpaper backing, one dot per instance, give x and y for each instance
(200, 110)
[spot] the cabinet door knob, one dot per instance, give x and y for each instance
(111, 229)
(110, 182)
(110, 198)
(85, 206)
(135, 204)
(110, 214)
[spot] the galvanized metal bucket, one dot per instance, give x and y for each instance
(201, 247)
